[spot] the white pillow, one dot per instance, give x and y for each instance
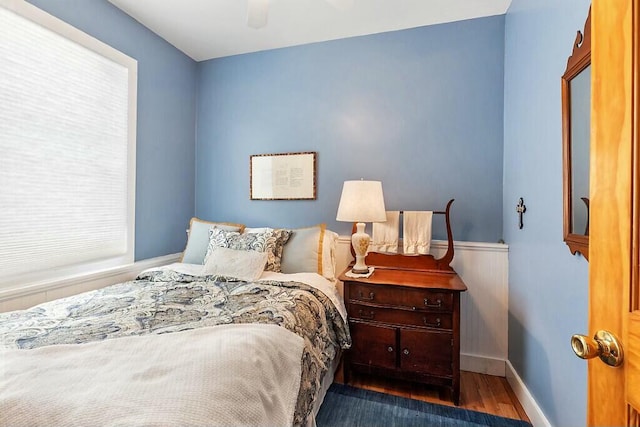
(329, 254)
(244, 265)
(257, 229)
(310, 250)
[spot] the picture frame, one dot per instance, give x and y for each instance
(283, 176)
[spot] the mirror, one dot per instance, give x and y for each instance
(576, 133)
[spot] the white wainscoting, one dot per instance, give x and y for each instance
(21, 298)
(484, 306)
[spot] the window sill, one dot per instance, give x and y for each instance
(48, 290)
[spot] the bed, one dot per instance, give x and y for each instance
(183, 344)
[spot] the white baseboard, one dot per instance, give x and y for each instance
(535, 414)
(21, 298)
(482, 365)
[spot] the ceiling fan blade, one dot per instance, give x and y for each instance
(257, 11)
(341, 4)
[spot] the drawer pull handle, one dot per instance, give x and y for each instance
(366, 315)
(369, 298)
(406, 351)
(435, 324)
(430, 305)
(390, 349)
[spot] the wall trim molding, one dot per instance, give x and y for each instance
(482, 365)
(472, 246)
(529, 404)
(442, 244)
(114, 275)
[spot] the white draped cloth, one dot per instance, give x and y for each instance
(384, 237)
(417, 232)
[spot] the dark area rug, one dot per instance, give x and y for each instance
(350, 406)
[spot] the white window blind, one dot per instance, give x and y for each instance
(67, 149)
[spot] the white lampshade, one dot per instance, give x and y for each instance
(361, 201)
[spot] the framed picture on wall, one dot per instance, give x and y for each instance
(285, 176)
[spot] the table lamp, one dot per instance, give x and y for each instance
(360, 202)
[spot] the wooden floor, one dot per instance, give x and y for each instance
(478, 392)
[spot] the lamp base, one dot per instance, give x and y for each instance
(350, 273)
(360, 242)
(365, 271)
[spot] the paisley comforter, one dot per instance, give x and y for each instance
(166, 301)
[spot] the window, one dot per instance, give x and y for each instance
(67, 150)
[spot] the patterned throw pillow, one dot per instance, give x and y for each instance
(269, 241)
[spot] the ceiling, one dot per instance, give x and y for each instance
(206, 29)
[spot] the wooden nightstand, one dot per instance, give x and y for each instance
(405, 324)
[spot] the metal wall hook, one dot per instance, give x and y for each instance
(521, 209)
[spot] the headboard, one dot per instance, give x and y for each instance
(416, 262)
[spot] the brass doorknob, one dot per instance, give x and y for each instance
(603, 344)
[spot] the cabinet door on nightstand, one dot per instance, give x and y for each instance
(426, 351)
(373, 345)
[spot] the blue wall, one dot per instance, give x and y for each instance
(166, 121)
(419, 109)
(548, 287)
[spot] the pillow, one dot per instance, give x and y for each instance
(257, 229)
(198, 238)
(244, 265)
(310, 250)
(270, 242)
(329, 254)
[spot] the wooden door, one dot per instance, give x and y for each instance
(614, 393)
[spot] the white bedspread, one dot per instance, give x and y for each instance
(194, 377)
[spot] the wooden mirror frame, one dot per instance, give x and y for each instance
(579, 60)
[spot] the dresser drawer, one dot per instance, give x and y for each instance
(401, 317)
(417, 299)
